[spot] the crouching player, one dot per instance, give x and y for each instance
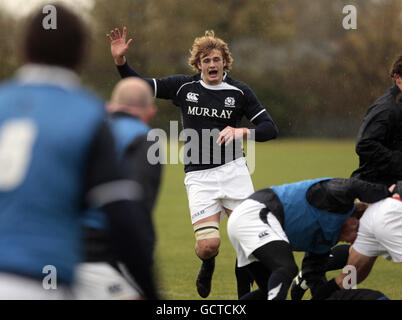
(310, 216)
(379, 234)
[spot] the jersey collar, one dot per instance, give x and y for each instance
(48, 74)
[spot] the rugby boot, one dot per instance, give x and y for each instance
(204, 277)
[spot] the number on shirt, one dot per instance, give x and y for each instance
(16, 141)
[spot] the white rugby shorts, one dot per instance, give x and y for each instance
(210, 191)
(247, 232)
(380, 230)
(101, 281)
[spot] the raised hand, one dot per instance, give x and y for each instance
(118, 45)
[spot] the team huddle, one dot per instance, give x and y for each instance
(78, 191)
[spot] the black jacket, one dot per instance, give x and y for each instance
(379, 141)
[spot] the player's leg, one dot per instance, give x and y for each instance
(207, 237)
(277, 256)
(244, 281)
(205, 209)
(260, 275)
(312, 274)
(206, 248)
(314, 267)
(256, 240)
(237, 186)
(243, 278)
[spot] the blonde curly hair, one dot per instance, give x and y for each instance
(204, 45)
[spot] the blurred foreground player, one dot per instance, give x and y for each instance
(310, 216)
(103, 276)
(57, 157)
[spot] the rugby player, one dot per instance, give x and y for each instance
(57, 158)
(217, 178)
(102, 275)
(310, 216)
(379, 234)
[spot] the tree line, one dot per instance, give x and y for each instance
(314, 77)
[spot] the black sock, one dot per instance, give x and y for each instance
(258, 294)
(278, 285)
(244, 281)
(277, 257)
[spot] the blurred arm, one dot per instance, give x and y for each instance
(119, 198)
(148, 176)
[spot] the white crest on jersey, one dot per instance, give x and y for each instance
(192, 97)
(230, 102)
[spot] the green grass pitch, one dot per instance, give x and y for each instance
(277, 162)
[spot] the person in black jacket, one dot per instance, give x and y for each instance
(379, 141)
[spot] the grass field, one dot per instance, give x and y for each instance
(277, 162)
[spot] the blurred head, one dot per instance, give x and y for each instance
(133, 96)
(360, 208)
(211, 57)
(66, 46)
(349, 230)
(351, 225)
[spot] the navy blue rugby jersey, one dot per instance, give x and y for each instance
(205, 111)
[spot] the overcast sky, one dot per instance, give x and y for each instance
(23, 7)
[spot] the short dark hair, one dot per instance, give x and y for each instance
(65, 46)
(396, 67)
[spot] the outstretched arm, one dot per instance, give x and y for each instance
(338, 195)
(369, 192)
(363, 265)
